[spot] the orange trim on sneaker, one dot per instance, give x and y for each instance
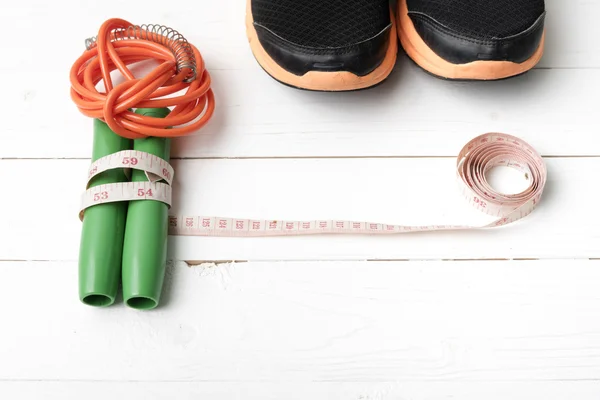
(318, 80)
(427, 59)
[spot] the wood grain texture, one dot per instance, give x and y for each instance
(412, 114)
(340, 322)
(326, 324)
(403, 191)
(404, 390)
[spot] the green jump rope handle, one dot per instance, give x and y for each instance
(103, 228)
(146, 232)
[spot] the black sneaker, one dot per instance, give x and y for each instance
(473, 39)
(325, 45)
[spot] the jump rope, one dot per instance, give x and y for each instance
(125, 207)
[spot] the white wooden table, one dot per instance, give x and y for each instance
(512, 313)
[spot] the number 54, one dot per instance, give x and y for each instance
(142, 192)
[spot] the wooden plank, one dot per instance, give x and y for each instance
(516, 390)
(412, 114)
(370, 322)
(44, 200)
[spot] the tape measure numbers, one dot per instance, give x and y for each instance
(475, 159)
(156, 169)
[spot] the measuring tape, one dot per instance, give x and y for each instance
(156, 170)
(475, 159)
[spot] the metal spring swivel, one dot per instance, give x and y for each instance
(163, 35)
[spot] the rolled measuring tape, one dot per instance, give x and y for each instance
(475, 159)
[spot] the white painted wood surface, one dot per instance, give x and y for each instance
(511, 313)
(312, 329)
(431, 390)
(407, 191)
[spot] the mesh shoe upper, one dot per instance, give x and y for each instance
(481, 19)
(323, 23)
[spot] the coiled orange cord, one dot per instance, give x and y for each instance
(195, 107)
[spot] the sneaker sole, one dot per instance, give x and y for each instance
(338, 81)
(427, 59)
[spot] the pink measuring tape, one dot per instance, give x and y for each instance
(474, 160)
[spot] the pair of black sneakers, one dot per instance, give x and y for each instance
(342, 45)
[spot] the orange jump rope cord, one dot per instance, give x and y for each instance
(191, 110)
